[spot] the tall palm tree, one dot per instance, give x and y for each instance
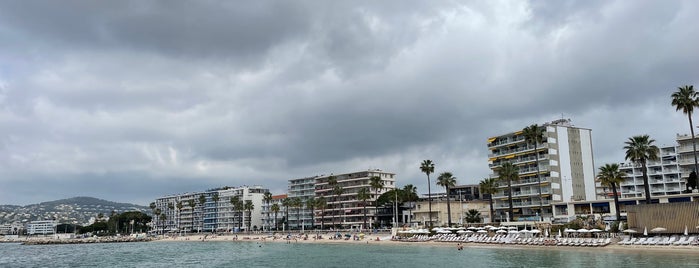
(338, 191)
(179, 207)
(152, 208)
(234, 201)
(162, 219)
(202, 201)
(286, 202)
(640, 149)
(267, 198)
(427, 167)
(321, 204)
(215, 199)
(157, 213)
(192, 204)
(489, 186)
(275, 209)
(363, 195)
(534, 134)
(332, 183)
(239, 206)
(297, 203)
(410, 195)
(685, 99)
(249, 206)
(311, 205)
(509, 173)
(376, 185)
(447, 180)
(610, 176)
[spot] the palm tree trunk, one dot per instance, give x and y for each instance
(429, 200)
(694, 147)
(364, 226)
(492, 211)
(616, 202)
(298, 218)
(646, 186)
(322, 218)
(276, 227)
(538, 177)
(448, 208)
(509, 200)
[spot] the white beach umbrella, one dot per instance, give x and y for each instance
(535, 231)
(515, 228)
(436, 229)
(482, 231)
(645, 231)
(583, 230)
(480, 228)
(546, 232)
(471, 228)
(512, 232)
(569, 230)
(500, 231)
(444, 232)
(630, 231)
(621, 225)
(658, 229)
(594, 230)
(461, 232)
(685, 230)
(559, 233)
(489, 226)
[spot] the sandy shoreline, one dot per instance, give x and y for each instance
(371, 240)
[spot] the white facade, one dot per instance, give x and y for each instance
(304, 189)
(41, 227)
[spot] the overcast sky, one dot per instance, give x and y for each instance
(132, 100)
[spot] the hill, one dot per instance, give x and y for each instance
(77, 210)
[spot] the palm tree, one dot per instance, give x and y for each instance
(297, 203)
(179, 210)
(157, 214)
(275, 209)
(267, 198)
(640, 149)
(192, 204)
(338, 191)
(215, 199)
(473, 216)
(363, 195)
(239, 207)
(152, 208)
(234, 202)
(610, 176)
(446, 180)
(489, 186)
(202, 201)
(311, 205)
(508, 173)
(410, 195)
(249, 206)
(376, 185)
(321, 203)
(685, 99)
(534, 134)
(332, 182)
(285, 203)
(427, 167)
(162, 219)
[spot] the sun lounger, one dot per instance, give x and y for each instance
(689, 241)
(640, 241)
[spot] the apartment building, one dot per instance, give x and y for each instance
(565, 166)
(273, 221)
(42, 227)
(304, 189)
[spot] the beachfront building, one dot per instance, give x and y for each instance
(685, 155)
(210, 210)
(440, 213)
(565, 166)
(466, 192)
(345, 210)
(273, 221)
(14, 228)
(303, 189)
(664, 177)
(44, 227)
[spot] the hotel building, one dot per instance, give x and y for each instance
(566, 169)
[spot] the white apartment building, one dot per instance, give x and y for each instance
(685, 154)
(273, 221)
(566, 169)
(42, 227)
(303, 189)
(664, 177)
(345, 210)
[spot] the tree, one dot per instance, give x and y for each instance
(215, 199)
(427, 167)
(297, 203)
(338, 191)
(192, 204)
(376, 184)
(363, 195)
(157, 213)
(239, 207)
(410, 195)
(179, 210)
(610, 176)
(640, 149)
(311, 205)
(489, 186)
(286, 202)
(534, 134)
(267, 198)
(321, 204)
(447, 180)
(686, 99)
(473, 216)
(234, 200)
(332, 183)
(249, 206)
(202, 201)
(509, 173)
(275, 209)
(162, 219)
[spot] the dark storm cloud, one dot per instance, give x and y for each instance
(146, 98)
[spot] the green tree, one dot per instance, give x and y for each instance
(157, 213)
(447, 180)
(686, 99)
(275, 209)
(534, 135)
(640, 149)
(215, 198)
(249, 206)
(610, 176)
(410, 195)
(322, 203)
(376, 184)
(179, 207)
(234, 200)
(162, 219)
(473, 216)
(427, 167)
(239, 206)
(338, 191)
(202, 201)
(489, 186)
(508, 173)
(286, 202)
(267, 198)
(363, 195)
(332, 183)
(297, 203)
(192, 204)
(311, 205)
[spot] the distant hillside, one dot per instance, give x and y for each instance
(76, 210)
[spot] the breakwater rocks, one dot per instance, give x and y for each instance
(90, 240)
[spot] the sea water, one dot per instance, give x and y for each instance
(274, 254)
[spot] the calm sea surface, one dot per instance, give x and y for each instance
(252, 254)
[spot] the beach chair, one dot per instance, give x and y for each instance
(606, 242)
(689, 241)
(680, 241)
(626, 240)
(640, 241)
(670, 241)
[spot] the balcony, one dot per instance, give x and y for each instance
(525, 182)
(522, 204)
(518, 194)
